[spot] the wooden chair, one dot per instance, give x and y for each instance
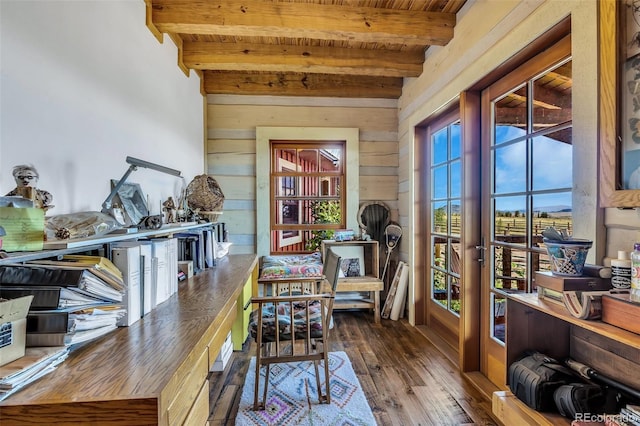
(310, 315)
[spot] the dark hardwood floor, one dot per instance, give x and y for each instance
(406, 380)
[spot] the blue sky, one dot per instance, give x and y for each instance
(552, 168)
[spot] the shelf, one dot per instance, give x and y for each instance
(368, 282)
(547, 327)
(511, 411)
(598, 327)
(62, 247)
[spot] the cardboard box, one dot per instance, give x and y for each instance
(619, 310)
(561, 283)
(13, 328)
(186, 266)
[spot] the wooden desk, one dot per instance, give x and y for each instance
(154, 372)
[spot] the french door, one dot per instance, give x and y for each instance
(527, 180)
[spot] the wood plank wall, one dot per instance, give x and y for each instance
(231, 149)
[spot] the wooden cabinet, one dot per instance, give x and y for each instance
(369, 282)
(240, 329)
(153, 372)
(547, 327)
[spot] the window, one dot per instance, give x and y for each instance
(350, 186)
(307, 198)
(445, 195)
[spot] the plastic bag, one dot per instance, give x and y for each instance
(79, 225)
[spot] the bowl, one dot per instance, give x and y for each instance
(567, 257)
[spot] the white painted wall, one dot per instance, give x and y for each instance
(83, 84)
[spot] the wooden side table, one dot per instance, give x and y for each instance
(367, 280)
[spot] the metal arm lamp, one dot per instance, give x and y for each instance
(134, 164)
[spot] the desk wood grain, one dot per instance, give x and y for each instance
(122, 376)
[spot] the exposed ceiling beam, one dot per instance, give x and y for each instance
(309, 59)
(301, 84)
(303, 20)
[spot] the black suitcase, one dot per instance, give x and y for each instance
(534, 378)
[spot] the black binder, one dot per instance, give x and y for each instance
(40, 275)
(44, 297)
(81, 279)
(48, 322)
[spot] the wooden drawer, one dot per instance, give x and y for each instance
(189, 391)
(216, 342)
(199, 413)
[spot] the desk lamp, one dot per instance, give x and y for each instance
(134, 164)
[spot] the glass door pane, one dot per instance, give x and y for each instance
(446, 191)
(531, 181)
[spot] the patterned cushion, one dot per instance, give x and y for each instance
(284, 321)
(291, 266)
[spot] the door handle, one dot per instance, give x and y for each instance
(481, 250)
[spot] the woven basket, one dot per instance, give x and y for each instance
(204, 194)
(210, 216)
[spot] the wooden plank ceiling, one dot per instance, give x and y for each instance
(334, 48)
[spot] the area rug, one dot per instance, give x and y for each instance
(293, 396)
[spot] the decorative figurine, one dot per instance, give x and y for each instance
(169, 207)
(26, 177)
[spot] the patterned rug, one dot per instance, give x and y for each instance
(293, 396)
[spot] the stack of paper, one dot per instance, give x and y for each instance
(36, 363)
(66, 294)
(76, 278)
(80, 326)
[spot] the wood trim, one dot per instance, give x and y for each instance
(470, 294)
(549, 38)
(352, 185)
(149, 20)
(609, 131)
(421, 171)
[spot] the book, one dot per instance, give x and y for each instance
(584, 304)
(172, 250)
(98, 262)
(49, 322)
(560, 283)
(550, 295)
(146, 278)
(43, 340)
(194, 245)
(160, 248)
(81, 279)
(629, 416)
(109, 278)
(88, 324)
(127, 260)
(68, 339)
(210, 246)
(635, 409)
(51, 297)
(44, 297)
(146, 282)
